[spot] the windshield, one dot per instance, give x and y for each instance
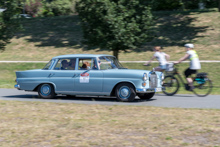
(109, 62)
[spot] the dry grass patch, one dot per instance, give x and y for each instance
(52, 124)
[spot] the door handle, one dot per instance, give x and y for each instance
(74, 75)
(51, 74)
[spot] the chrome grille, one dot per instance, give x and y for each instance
(153, 80)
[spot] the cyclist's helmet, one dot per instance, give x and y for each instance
(189, 45)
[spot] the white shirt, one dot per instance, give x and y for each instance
(194, 60)
(161, 58)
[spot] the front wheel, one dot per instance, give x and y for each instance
(171, 85)
(125, 92)
(146, 96)
(202, 87)
(46, 91)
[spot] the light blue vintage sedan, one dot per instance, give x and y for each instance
(88, 74)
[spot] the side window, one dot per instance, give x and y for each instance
(65, 64)
(58, 65)
(104, 64)
(85, 64)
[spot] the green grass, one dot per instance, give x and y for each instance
(7, 74)
(44, 38)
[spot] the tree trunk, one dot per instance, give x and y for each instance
(115, 53)
(218, 5)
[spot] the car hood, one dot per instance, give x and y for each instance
(127, 73)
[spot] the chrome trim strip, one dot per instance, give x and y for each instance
(82, 93)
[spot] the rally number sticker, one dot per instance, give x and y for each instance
(84, 78)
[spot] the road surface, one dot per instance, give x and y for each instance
(159, 100)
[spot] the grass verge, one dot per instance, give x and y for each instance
(54, 124)
(7, 73)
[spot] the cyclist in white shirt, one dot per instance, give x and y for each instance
(162, 57)
(194, 63)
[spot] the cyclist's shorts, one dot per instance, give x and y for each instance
(163, 67)
(189, 72)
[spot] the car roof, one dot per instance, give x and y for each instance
(81, 55)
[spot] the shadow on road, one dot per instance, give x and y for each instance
(176, 95)
(77, 98)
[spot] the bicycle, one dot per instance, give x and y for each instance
(202, 84)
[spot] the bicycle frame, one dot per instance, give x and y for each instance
(175, 72)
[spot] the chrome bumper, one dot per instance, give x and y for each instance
(149, 90)
(17, 86)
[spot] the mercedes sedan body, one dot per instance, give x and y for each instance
(88, 74)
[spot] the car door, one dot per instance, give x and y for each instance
(62, 78)
(88, 81)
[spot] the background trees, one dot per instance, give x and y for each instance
(8, 24)
(115, 24)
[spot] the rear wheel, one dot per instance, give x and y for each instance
(171, 85)
(146, 96)
(203, 87)
(46, 91)
(125, 92)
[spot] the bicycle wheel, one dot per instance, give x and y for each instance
(202, 87)
(171, 85)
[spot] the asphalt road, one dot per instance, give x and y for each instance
(159, 100)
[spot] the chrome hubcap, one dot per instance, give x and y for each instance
(124, 92)
(45, 89)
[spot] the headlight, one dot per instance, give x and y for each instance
(145, 77)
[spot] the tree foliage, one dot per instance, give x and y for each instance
(33, 7)
(8, 24)
(115, 24)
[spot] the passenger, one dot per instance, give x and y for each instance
(72, 64)
(64, 65)
(87, 65)
(162, 57)
(84, 66)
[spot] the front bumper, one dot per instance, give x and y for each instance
(149, 90)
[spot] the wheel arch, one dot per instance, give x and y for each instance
(54, 86)
(113, 90)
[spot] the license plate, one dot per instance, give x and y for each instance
(158, 89)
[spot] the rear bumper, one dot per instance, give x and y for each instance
(149, 90)
(17, 86)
